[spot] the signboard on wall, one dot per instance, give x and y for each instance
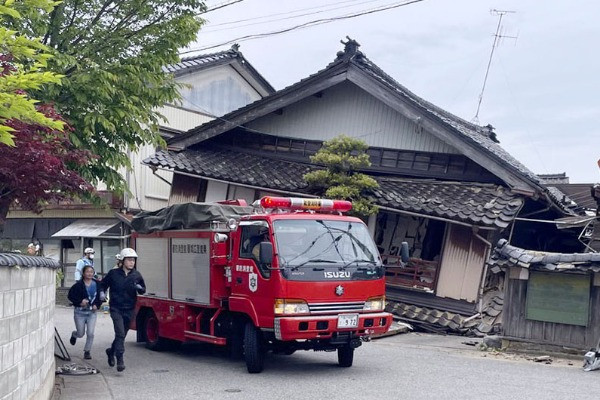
(560, 298)
(190, 264)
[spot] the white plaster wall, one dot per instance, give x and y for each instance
(26, 332)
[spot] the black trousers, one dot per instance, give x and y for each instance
(121, 321)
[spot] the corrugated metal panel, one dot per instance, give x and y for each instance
(147, 191)
(347, 109)
(462, 265)
(181, 119)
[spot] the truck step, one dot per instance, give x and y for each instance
(201, 337)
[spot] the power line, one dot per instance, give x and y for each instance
(282, 13)
(304, 25)
(220, 5)
(290, 17)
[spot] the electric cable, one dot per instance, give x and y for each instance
(304, 25)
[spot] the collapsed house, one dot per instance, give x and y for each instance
(447, 187)
(550, 298)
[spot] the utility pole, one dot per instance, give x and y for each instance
(497, 37)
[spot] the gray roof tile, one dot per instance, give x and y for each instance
(506, 255)
(454, 200)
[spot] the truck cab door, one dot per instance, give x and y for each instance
(251, 279)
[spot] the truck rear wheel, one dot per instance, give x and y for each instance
(254, 351)
(345, 356)
(153, 340)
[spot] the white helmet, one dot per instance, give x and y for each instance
(128, 252)
(88, 250)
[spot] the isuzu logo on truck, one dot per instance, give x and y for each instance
(336, 274)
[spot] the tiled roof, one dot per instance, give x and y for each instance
(480, 204)
(191, 64)
(14, 259)
(202, 60)
(441, 321)
(506, 255)
(235, 167)
(478, 135)
(472, 203)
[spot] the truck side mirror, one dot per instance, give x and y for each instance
(404, 252)
(266, 253)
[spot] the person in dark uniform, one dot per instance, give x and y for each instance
(124, 284)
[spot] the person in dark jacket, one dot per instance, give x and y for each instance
(87, 297)
(124, 283)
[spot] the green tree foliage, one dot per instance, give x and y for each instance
(23, 59)
(342, 157)
(111, 54)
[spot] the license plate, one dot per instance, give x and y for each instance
(348, 321)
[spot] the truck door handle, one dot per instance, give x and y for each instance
(238, 280)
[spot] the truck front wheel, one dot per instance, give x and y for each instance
(345, 356)
(254, 352)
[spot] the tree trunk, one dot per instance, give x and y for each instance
(3, 213)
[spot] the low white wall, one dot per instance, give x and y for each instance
(26, 332)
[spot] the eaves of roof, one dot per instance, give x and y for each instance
(484, 205)
(506, 255)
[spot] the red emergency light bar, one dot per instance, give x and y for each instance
(297, 203)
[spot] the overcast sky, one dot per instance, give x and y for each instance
(542, 93)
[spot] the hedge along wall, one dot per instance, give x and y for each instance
(27, 290)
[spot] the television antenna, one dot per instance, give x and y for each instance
(497, 37)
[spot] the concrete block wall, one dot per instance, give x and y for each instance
(27, 297)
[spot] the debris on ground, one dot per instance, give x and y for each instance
(75, 369)
(542, 359)
(432, 320)
(493, 341)
(396, 328)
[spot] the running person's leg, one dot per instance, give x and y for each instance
(79, 317)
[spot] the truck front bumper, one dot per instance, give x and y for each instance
(325, 326)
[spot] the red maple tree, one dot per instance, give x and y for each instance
(41, 167)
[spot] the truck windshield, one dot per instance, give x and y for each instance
(326, 249)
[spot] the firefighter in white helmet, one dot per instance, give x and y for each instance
(87, 259)
(124, 283)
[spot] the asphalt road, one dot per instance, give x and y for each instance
(407, 366)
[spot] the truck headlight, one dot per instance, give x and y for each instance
(290, 306)
(375, 304)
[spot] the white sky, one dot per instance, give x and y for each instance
(542, 91)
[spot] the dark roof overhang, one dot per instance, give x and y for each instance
(485, 205)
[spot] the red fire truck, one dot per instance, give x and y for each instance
(289, 274)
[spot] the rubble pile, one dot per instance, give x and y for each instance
(487, 322)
